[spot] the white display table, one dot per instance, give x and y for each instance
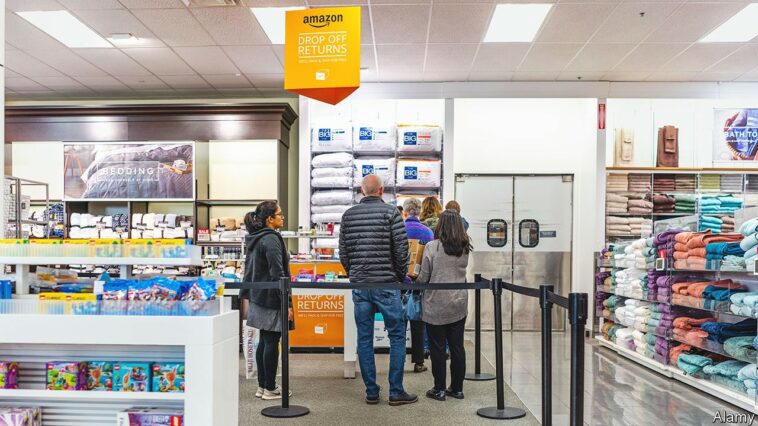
(207, 345)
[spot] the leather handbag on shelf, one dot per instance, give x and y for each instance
(624, 149)
(668, 147)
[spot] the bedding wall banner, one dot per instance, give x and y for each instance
(129, 171)
(735, 134)
(322, 53)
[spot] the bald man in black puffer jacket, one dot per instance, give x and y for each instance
(374, 249)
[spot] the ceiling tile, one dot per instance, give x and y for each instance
(694, 20)
(227, 81)
(26, 5)
(64, 84)
(581, 75)
(67, 62)
(573, 22)
(626, 75)
(148, 82)
(107, 22)
(23, 84)
(185, 82)
(672, 76)
(535, 76)
(398, 75)
(231, 25)
(91, 4)
(400, 24)
(367, 33)
(459, 23)
(246, 93)
(102, 83)
(599, 57)
(176, 27)
(500, 56)
(489, 76)
(718, 76)
(9, 73)
(25, 36)
(368, 60)
(548, 57)
(254, 59)
(160, 61)
(27, 65)
(701, 56)
(401, 57)
(743, 60)
(113, 61)
(267, 81)
(624, 25)
(650, 57)
(445, 76)
(447, 57)
(749, 76)
(153, 4)
(207, 60)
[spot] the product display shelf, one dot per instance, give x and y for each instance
(710, 346)
(709, 310)
(208, 346)
(613, 320)
(632, 297)
(634, 356)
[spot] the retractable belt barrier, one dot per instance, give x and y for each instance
(576, 304)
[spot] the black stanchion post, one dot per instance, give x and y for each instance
(478, 376)
(285, 410)
(501, 411)
(578, 319)
(547, 355)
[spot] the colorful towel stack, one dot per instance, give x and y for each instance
(725, 204)
(687, 330)
(640, 227)
(609, 306)
(666, 241)
(685, 203)
(750, 243)
(663, 203)
(640, 207)
(749, 376)
(726, 373)
(727, 224)
(685, 183)
(652, 283)
(615, 203)
(715, 253)
(712, 295)
(639, 182)
(731, 183)
(745, 304)
(664, 183)
(617, 182)
(710, 223)
(741, 348)
(710, 182)
(751, 183)
(721, 331)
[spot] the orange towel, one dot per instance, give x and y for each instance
(683, 237)
(694, 262)
(680, 264)
(680, 247)
(681, 255)
(696, 334)
(697, 240)
(688, 323)
(697, 252)
(731, 237)
(681, 287)
(686, 300)
(697, 289)
(678, 350)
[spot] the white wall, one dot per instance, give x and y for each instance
(243, 170)
(40, 161)
(536, 136)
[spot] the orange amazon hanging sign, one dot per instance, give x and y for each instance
(322, 53)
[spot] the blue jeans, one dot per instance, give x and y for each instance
(387, 302)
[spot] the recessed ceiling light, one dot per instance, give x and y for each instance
(739, 28)
(272, 21)
(64, 27)
(513, 23)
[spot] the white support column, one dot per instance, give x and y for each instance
(448, 171)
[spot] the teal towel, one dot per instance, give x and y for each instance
(728, 369)
(737, 385)
(748, 372)
(741, 347)
(692, 364)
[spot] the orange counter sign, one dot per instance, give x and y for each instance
(322, 53)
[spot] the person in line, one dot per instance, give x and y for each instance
(267, 260)
(454, 206)
(374, 249)
(416, 231)
(430, 212)
(444, 311)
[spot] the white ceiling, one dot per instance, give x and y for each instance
(222, 51)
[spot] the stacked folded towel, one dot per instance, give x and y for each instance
(710, 182)
(751, 183)
(615, 203)
(745, 304)
(692, 363)
(617, 182)
(664, 183)
(733, 263)
(726, 373)
(710, 205)
(685, 203)
(663, 203)
(741, 348)
(749, 376)
(727, 224)
(685, 183)
(615, 225)
(688, 329)
(750, 243)
(678, 350)
(710, 223)
(629, 282)
(729, 204)
(731, 183)
(704, 294)
(721, 331)
(639, 182)
(624, 338)
(716, 252)
(666, 241)
(640, 207)
(640, 226)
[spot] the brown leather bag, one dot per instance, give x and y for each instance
(668, 147)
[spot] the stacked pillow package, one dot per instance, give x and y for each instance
(328, 205)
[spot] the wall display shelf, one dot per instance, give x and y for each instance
(208, 346)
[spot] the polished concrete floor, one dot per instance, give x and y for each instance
(617, 391)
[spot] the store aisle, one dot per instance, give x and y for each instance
(617, 391)
(317, 383)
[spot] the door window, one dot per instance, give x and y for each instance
(497, 233)
(529, 233)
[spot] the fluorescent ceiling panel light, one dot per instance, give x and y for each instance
(64, 27)
(272, 21)
(741, 27)
(514, 23)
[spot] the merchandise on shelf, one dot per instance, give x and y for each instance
(168, 377)
(66, 375)
(617, 182)
(685, 183)
(20, 416)
(731, 183)
(150, 417)
(100, 376)
(418, 173)
(710, 182)
(367, 138)
(639, 182)
(616, 203)
(668, 147)
(419, 139)
(227, 229)
(131, 377)
(664, 183)
(623, 147)
(336, 200)
(8, 375)
(88, 226)
(157, 225)
(382, 167)
(331, 138)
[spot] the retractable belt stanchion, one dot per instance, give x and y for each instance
(478, 376)
(547, 355)
(501, 411)
(285, 410)
(578, 319)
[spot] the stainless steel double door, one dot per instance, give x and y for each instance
(521, 228)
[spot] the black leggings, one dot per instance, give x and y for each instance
(453, 335)
(267, 358)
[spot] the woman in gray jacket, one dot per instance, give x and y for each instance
(444, 311)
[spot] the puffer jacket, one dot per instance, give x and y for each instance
(373, 243)
(267, 260)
